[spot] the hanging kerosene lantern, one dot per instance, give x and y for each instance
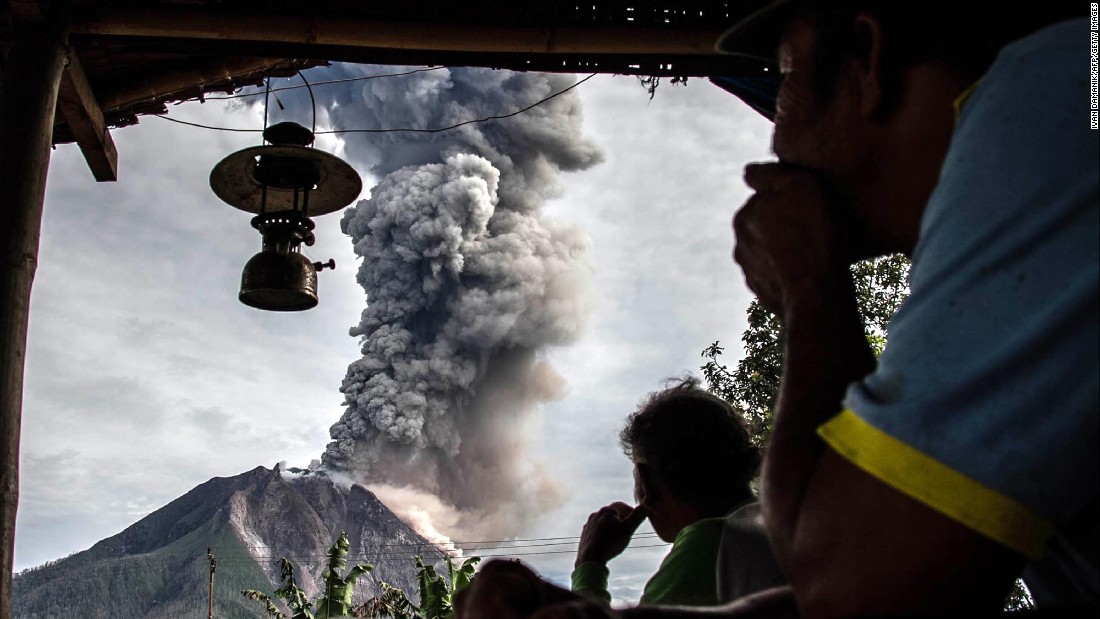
(284, 183)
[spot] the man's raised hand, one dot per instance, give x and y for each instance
(608, 531)
(789, 235)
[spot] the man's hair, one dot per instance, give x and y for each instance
(696, 444)
(964, 39)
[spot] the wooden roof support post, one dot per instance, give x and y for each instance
(78, 105)
(33, 57)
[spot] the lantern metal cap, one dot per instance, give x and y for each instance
(234, 181)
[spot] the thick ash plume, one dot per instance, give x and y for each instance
(466, 281)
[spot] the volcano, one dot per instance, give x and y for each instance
(158, 567)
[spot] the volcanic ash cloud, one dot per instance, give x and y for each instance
(467, 281)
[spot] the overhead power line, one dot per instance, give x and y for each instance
(122, 566)
(394, 129)
(399, 554)
(339, 81)
(457, 543)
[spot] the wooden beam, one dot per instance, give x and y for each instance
(163, 84)
(240, 27)
(78, 106)
(34, 55)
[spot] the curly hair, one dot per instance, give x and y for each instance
(696, 444)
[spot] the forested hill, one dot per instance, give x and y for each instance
(158, 568)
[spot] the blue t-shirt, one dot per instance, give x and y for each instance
(985, 403)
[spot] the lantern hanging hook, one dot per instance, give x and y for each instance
(312, 102)
(267, 95)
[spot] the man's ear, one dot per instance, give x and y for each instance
(869, 80)
(647, 488)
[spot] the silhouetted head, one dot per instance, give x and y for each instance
(866, 92)
(692, 456)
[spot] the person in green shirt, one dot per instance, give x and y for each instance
(693, 461)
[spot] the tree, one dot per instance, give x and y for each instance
(881, 286)
(1019, 598)
(392, 604)
(290, 592)
(436, 593)
(336, 601)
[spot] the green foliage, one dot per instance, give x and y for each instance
(436, 593)
(336, 601)
(462, 575)
(881, 285)
(269, 606)
(392, 604)
(751, 388)
(1019, 598)
(291, 593)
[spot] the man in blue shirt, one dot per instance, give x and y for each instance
(923, 484)
(975, 432)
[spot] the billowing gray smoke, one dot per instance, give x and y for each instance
(467, 282)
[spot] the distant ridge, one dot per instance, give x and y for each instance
(157, 568)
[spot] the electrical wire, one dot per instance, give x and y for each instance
(394, 130)
(121, 566)
(392, 555)
(398, 548)
(368, 559)
(558, 552)
(457, 543)
(468, 122)
(326, 82)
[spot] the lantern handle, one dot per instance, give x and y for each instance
(267, 95)
(312, 102)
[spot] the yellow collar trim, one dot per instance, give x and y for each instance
(963, 97)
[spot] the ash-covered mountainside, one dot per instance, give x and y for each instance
(158, 567)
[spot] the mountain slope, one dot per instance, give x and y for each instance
(158, 568)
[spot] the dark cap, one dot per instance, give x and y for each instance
(757, 36)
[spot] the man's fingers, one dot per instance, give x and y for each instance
(764, 176)
(622, 510)
(634, 520)
(617, 511)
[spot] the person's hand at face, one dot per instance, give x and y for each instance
(789, 237)
(608, 532)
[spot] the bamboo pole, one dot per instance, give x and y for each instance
(30, 72)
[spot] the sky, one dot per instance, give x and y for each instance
(145, 376)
